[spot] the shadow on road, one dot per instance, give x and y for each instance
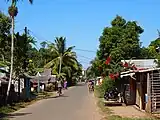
(56, 96)
(12, 115)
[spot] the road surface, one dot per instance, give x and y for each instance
(76, 104)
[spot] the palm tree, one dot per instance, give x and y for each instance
(62, 56)
(13, 11)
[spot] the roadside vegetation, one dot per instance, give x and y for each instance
(119, 41)
(20, 55)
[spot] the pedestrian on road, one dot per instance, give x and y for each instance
(65, 84)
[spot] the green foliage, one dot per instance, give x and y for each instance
(5, 25)
(22, 50)
(61, 53)
(63, 60)
(31, 68)
(31, 60)
(146, 53)
(106, 85)
(43, 55)
(120, 41)
(13, 11)
(39, 70)
(152, 50)
(4, 63)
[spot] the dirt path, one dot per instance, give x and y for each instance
(76, 104)
(128, 111)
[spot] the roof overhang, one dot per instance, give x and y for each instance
(42, 78)
(127, 74)
(132, 72)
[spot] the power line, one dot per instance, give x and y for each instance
(38, 37)
(84, 62)
(86, 50)
(84, 57)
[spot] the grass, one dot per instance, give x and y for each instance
(104, 109)
(108, 113)
(116, 117)
(5, 110)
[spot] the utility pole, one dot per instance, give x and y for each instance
(17, 37)
(25, 49)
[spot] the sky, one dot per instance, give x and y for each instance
(82, 21)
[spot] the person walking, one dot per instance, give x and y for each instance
(65, 84)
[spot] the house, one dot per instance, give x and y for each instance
(141, 88)
(39, 81)
(4, 78)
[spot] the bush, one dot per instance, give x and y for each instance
(106, 85)
(50, 88)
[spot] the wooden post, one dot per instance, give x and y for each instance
(141, 92)
(148, 106)
(19, 88)
(27, 88)
(38, 87)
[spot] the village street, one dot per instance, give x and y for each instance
(76, 104)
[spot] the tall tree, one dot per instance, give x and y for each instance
(62, 56)
(22, 52)
(5, 26)
(44, 53)
(120, 41)
(154, 49)
(13, 11)
(43, 44)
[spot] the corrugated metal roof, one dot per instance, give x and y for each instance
(143, 63)
(134, 71)
(42, 78)
(46, 72)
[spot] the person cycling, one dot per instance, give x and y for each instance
(90, 85)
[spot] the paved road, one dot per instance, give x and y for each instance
(76, 104)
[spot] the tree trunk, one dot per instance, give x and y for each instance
(11, 67)
(60, 64)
